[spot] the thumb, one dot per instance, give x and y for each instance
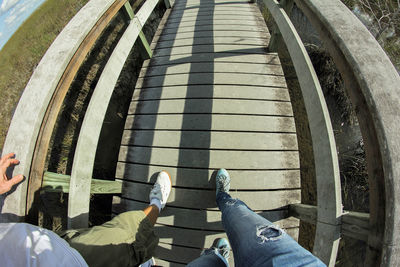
(16, 179)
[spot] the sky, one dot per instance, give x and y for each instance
(12, 14)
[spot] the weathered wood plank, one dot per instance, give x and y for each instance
(210, 34)
(219, 91)
(161, 262)
(198, 13)
(182, 254)
(214, 57)
(212, 20)
(217, 123)
(213, 140)
(217, 48)
(189, 198)
(54, 182)
(203, 158)
(212, 41)
(225, 67)
(203, 178)
(210, 79)
(215, 28)
(214, 106)
(354, 224)
(172, 253)
(194, 7)
(211, 17)
(199, 219)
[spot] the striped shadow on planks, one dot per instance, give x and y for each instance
(192, 177)
(219, 123)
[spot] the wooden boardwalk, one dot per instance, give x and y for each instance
(211, 97)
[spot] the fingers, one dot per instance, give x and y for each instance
(6, 157)
(16, 180)
(7, 162)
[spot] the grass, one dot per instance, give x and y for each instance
(23, 51)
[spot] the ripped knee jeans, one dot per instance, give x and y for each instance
(255, 241)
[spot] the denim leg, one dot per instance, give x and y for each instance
(255, 241)
(209, 258)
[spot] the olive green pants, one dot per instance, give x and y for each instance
(127, 240)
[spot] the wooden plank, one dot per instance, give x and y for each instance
(213, 16)
(223, 67)
(198, 239)
(354, 224)
(173, 253)
(214, 106)
(215, 28)
(304, 212)
(210, 79)
(211, 41)
(214, 57)
(217, 48)
(194, 7)
(218, 123)
(54, 182)
(85, 152)
(204, 178)
(185, 254)
(189, 198)
(163, 263)
(198, 13)
(208, 2)
(199, 219)
(202, 158)
(211, 140)
(213, 20)
(189, 35)
(219, 91)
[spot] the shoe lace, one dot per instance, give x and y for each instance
(222, 181)
(224, 251)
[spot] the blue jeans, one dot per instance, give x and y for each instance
(255, 241)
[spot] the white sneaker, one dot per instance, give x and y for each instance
(161, 188)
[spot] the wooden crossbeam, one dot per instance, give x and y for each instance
(147, 53)
(354, 224)
(55, 182)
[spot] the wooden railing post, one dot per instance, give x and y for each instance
(276, 37)
(145, 47)
(167, 4)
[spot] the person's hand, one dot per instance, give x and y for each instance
(5, 183)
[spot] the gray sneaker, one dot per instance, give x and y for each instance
(223, 181)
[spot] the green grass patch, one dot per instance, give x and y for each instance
(22, 53)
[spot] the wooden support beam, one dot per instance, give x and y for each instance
(146, 50)
(55, 182)
(354, 224)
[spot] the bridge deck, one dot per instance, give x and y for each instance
(211, 97)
